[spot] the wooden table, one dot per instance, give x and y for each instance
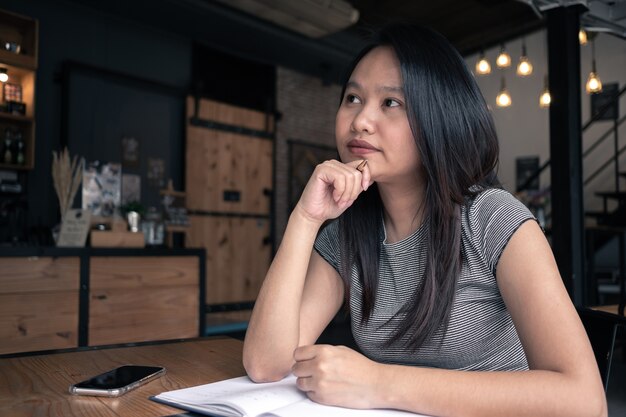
(37, 386)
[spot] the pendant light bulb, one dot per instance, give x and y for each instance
(504, 98)
(594, 85)
(524, 67)
(582, 37)
(482, 65)
(545, 98)
(504, 59)
(4, 76)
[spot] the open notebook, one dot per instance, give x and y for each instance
(240, 397)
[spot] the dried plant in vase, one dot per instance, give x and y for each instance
(67, 174)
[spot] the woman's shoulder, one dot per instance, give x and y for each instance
(491, 199)
(489, 220)
(494, 204)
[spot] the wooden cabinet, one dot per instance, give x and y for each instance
(56, 298)
(38, 303)
(18, 59)
(137, 299)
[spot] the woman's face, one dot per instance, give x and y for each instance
(372, 121)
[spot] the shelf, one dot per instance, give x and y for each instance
(18, 60)
(15, 117)
(26, 125)
(24, 31)
(14, 167)
(21, 67)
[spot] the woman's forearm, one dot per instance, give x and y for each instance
(465, 393)
(273, 331)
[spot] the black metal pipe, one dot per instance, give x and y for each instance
(566, 147)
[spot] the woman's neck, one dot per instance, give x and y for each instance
(403, 209)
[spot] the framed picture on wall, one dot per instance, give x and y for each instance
(12, 92)
(102, 188)
(602, 99)
(303, 158)
(525, 167)
(130, 151)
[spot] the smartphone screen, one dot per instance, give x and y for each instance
(117, 381)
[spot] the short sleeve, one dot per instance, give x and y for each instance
(493, 217)
(327, 244)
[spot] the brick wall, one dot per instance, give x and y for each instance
(308, 110)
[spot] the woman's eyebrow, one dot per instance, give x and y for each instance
(392, 89)
(353, 84)
(383, 88)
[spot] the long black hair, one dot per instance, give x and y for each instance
(457, 142)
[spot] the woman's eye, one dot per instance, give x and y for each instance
(351, 98)
(389, 102)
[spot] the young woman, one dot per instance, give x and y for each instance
(456, 302)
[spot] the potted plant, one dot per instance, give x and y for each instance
(133, 212)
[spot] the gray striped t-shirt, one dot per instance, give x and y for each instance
(480, 334)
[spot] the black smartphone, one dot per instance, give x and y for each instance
(117, 381)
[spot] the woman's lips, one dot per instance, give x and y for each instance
(361, 147)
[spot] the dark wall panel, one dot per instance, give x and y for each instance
(101, 111)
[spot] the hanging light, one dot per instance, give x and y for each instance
(504, 59)
(594, 85)
(582, 37)
(545, 98)
(524, 67)
(482, 65)
(4, 76)
(504, 98)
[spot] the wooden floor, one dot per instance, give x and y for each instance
(229, 323)
(607, 309)
(226, 317)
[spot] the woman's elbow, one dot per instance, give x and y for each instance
(263, 373)
(597, 405)
(592, 398)
(260, 370)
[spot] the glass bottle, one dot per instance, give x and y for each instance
(7, 155)
(153, 227)
(20, 155)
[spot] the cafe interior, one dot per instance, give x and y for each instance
(151, 153)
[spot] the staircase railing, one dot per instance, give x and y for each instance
(594, 118)
(606, 164)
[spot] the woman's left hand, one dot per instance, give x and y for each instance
(336, 375)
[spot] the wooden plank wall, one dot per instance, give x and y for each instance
(234, 233)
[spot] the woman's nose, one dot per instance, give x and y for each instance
(364, 120)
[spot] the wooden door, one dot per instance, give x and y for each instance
(229, 185)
